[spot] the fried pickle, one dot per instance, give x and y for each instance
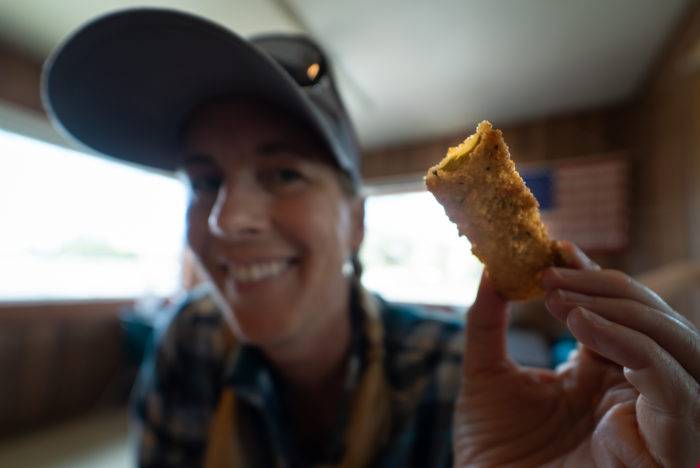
(486, 198)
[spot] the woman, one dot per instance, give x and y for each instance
(283, 359)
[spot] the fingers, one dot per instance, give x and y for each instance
(573, 257)
(605, 283)
(658, 377)
(620, 425)
(487, 319)
(681, 341)
(620, 440)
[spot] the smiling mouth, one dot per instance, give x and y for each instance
(258, 271)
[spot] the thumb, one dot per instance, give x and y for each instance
(487, 320)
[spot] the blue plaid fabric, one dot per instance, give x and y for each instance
(181, 380)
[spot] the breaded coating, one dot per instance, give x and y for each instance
(486, 198)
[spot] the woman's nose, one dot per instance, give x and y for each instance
(240, 212)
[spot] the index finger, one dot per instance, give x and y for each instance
(602, 283)
(605, 283)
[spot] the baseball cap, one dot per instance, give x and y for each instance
(125, 83)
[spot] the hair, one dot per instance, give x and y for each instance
(347, 184)
(356, 267)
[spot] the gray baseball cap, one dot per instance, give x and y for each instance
(125, 83)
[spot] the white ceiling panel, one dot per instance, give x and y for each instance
(434, 67)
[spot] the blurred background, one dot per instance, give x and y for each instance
(599, 102)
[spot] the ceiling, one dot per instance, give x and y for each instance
(415, 69)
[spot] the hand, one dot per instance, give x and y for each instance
(628, 397)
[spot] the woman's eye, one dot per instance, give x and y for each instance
(205, 183)
(282, 176)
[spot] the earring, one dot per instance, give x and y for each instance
(348, 268)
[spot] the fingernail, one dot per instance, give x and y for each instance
(595, 319)
(570, 296)
(564, 272)
(567, 255)
(554, 275)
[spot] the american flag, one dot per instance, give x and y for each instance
(583, 200)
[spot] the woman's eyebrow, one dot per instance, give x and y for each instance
(275, 148)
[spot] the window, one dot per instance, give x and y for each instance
(412, 252)
(77, 226)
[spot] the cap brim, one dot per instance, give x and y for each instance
(124, 83)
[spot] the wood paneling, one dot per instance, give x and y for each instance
(666, 143)
(581, 134)
(59, 360)
(20, 77)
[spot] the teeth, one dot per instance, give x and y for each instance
(258, 271)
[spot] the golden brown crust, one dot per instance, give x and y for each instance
(485, 196)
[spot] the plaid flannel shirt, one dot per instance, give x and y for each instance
(182, 378)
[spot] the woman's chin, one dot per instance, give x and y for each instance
(259, 324)
(264, 330)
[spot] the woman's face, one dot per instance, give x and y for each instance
(268, 222)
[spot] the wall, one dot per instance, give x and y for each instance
(20, 76)
(59, 360)
(556, 137)
(666, 145)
